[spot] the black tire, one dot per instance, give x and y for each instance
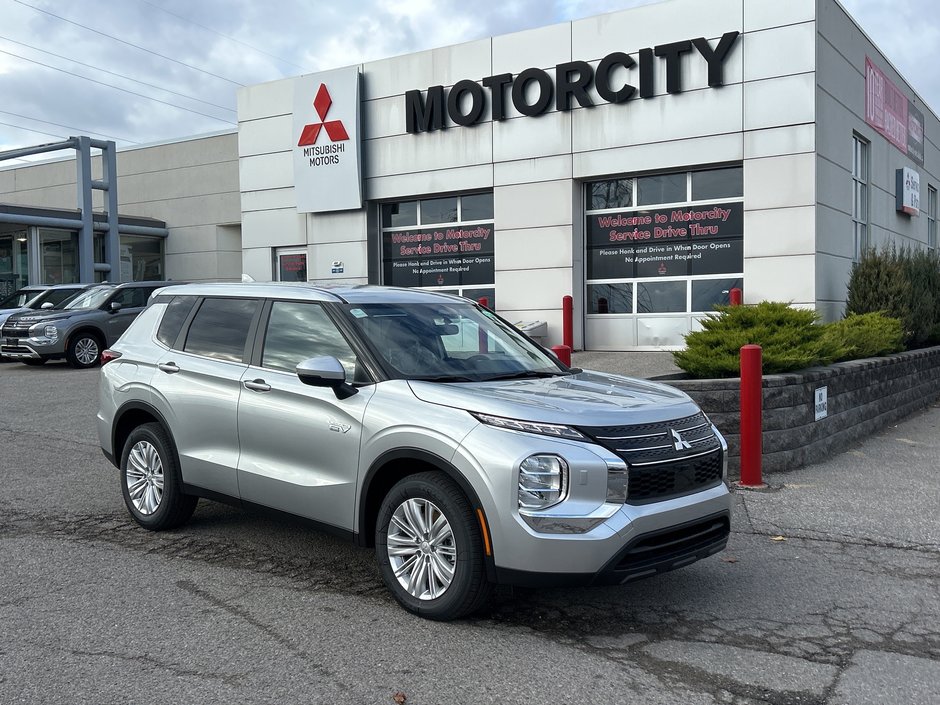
(173, 508)
(35, 361)
(78, 349)
(469, 590)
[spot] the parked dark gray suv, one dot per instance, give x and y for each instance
(77, 329)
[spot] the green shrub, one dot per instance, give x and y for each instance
(789, 339)
(866, 335)
(904, 284)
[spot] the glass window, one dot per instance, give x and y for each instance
(439, 210)
(717, 183)
(299, 331)
(399, 214)
(616, 193)
(292, 266)
(133, 296)
(14, 261)
(708, 293)
(860, 195)
(931, 217)
(58, 263)
(220, 328)
(663, 188)
(477, 207)
(660, 297)
(141, 259)
(173, 319)
(610, 298)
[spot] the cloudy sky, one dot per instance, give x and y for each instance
(140, 71)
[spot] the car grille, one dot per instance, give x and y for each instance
(14, 331)
(656, 468)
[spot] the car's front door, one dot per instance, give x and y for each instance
(133, 300)
(300, 444)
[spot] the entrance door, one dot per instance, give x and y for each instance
(290, 265)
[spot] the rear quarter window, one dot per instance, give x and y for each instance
(220, 328)
(177, 311)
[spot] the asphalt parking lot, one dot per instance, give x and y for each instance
(828, 593)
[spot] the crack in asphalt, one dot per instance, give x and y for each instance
(269, 631)
(149, 661)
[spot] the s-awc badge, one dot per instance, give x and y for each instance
(327, 162)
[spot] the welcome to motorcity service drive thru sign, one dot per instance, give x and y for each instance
(327, 159)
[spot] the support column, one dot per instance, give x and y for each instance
(86, 236)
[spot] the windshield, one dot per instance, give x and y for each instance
(90, 298)
(449, 342)
(19, 299)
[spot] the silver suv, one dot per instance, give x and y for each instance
(418, 423)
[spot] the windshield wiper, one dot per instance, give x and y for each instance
(524, 374)
(444, 378)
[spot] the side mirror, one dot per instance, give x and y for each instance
(325, 371)
(115, 306)
(47, 305)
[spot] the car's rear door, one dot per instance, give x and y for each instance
(197, 385)
(300, 444)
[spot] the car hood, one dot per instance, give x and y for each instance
(584, 399)
(31, 317)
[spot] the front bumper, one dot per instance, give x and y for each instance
(31, 348)
(586, 539)
(645, 556)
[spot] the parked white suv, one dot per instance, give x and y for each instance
(418, 423)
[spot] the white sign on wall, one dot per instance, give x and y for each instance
(327, 160)
(822, 403)
(908, 191)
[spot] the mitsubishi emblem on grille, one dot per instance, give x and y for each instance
(679, 441)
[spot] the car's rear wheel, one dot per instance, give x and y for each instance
(150, 480)
(429, 548)
(83, 350)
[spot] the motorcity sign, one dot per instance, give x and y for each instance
(465, 103)
(327, 158)
(680, 241)
(893, 114)
(456, 255)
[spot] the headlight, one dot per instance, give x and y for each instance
(544, 429)
(43, 330)
(543, 481)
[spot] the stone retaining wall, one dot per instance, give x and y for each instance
(863, 397)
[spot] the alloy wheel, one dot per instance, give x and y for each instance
(145, 477)
(421, 549)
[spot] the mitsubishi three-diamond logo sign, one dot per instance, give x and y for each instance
(327, 166)
(334, 128)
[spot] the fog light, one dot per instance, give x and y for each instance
(543, 481)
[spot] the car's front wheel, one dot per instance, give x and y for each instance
(429, 548)
(150, 480)
(84, 350)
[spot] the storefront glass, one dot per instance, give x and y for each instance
(141, 259)
(58, 260)
(654, 267)
(14, 262)
(444, 243)
(291, 265)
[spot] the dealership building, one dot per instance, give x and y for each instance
(644, 162)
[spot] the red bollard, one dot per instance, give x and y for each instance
(751, 409)
(735, 296)
(567, 322)
(483, 343)
(563, 353)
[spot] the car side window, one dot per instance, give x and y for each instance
(298, 331)
(174, 317)
(220, 328)
(133, 297)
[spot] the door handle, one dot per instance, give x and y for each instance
(257, 385)
(169, 367)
